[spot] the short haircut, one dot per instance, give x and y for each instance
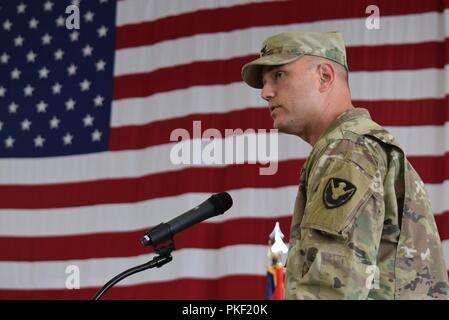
(340, 70)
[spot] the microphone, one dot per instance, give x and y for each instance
(215, 205)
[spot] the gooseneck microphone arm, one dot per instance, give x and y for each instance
(158, 261)
(215, 205)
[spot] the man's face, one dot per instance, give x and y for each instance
(292, 92)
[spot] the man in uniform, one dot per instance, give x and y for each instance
(362, 226)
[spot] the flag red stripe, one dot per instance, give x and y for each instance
(126, 244)
(179, 77)
(442, 221)
(139, 137)
(152, 186)
(241, 287)
(386, 113)
(258, 14)
(407, 112)
(400, 56)
(364, 58)
(433, 169)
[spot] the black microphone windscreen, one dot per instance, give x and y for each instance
(221, 201)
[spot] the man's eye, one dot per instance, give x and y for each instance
(278, 74)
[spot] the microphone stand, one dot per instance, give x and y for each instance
(163, 257)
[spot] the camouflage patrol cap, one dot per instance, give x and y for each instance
(286, 47)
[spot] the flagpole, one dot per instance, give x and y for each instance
(275, 267)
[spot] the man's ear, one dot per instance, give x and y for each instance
(326, 74)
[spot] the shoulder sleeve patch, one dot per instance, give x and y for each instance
(337, 192)
(342, 190)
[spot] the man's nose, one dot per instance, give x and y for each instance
(267, 92)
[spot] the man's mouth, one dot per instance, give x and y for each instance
(272, 108)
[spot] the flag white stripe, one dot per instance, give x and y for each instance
(131, 164)
(394, 30)
(167, 105)
(393, 85)
(416, 141)
(445, 244)
(383, 85)
(255, 203)
(248, 203)
(422, 140)
(187, 263)
(137, 11)
(435, 191)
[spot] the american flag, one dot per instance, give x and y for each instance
(86, 116)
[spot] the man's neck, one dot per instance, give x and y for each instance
(324, 122)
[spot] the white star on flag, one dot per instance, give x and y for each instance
(67, 139)
(7, 25)
(42, 107)
(31, 56)
(13, 107)
(54, 122)
(88, 120)
(46, 39)
(72, 69)
(56, 88)
(28, 90)
(39, 141)
(48, 6)
(33, 23)
(89, 16)
(4, 58)
(15, 74)
(98, 100)
(74, 36)
(87, 50)
(102, 32)
(100, 65)
(26, 124)
(60, 21)
(96, 135)
(58, 54)
(18, 41)
(85, 85)
(70, 104)
(9, 142)
(21, 8)
(43, 72)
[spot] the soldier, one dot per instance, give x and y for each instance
(362, 226)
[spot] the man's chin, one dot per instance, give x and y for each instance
(281, 127)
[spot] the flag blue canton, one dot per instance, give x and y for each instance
(55, 82)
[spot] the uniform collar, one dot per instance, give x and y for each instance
(348, 115)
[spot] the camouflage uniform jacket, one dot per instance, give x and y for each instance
(362, 227)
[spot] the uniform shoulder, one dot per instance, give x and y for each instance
(359, 150)
(359, 141)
